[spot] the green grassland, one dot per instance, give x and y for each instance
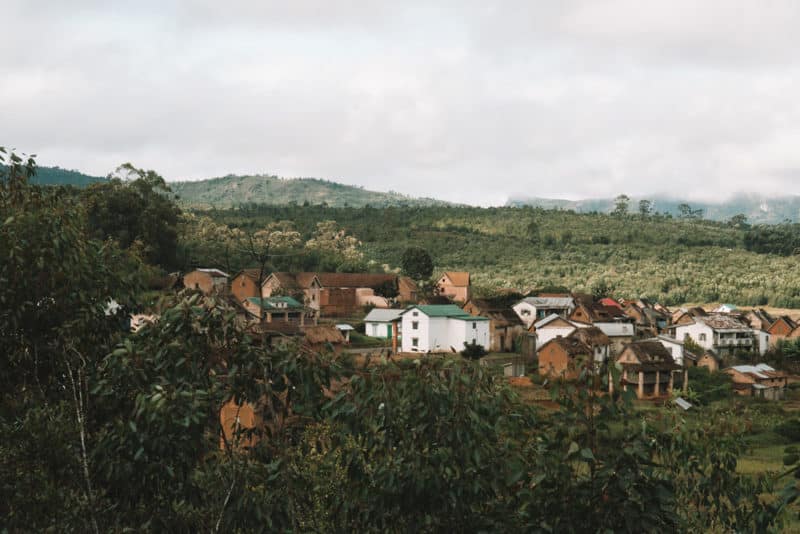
(672, 260)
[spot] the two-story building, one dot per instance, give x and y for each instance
(455, 285)
(441, 328)
(721, 333)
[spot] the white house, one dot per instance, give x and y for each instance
(532, 309)
(554, 326)
(674, 346)
(378, 322)
(441, 328)
(720, 333)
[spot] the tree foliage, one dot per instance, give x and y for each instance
(417, 263)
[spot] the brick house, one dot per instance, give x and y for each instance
(209, 281)
(455, 285)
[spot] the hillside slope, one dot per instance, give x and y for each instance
(759, 209)
(264, 189)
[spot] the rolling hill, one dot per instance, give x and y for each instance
(265, 189)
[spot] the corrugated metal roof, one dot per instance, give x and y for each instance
(549, 302)
(213, 272)
(451, 311)
(275, 303)
(382, 315)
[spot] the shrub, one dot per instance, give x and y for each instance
(473, 351)
(789, 429)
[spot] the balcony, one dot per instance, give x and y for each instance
(734, 342)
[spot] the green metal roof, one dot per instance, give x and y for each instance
(274, 303)
(451, 311)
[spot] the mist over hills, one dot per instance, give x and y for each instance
(232, 190)
(759, 209)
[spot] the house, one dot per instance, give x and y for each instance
(781, 328)
(721, 333)
(206, 280)
(597, 340)
(554, 326)
(675, 348)
(338, 294)
(381, 323)
(533, 309)
(504, 324)
(345, 330)
(758, 380)
(686, 316)
(708, 359)
(648, 319)
(407, 290)
(455, 285)
(562, 357)
(614, 322)
(304, 287)
(650, 368)
(441, 328)
(274, 309)
(759, 319)
(565, 356)
(347, 293)
(245, 284)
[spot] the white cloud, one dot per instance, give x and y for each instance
(468, 101)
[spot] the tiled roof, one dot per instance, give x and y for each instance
(571, 345)
(458, 278)
(592, 336)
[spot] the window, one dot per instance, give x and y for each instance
(414, 325)
(474, 325)
(702, 337)
(415, 314)
(414, 341)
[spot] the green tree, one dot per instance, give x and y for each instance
(136, 209)
(621, 205)
(417, 263)
(645, 207)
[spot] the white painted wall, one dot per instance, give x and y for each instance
(439, 334)
(521, 308)
(694, 330)
(675, 348)
(543, 335)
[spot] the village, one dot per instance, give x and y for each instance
(549, 335)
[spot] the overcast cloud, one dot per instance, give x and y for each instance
(465, 101)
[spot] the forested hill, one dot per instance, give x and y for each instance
(264, 189)
(758, 209)
(59, 176)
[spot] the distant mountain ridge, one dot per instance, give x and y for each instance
(233, 190)
(759, 209)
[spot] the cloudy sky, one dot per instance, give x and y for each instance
(469, 101)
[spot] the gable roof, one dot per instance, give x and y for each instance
(573, 346)
(213, 272)
(649, 351)
(458, 278)
(382, 315)
(252, 274)
(549, 319)
(591, 336)
(549, 302)
(276, 303)
(495, 310)
(451, 311)
(355, 279)
(721, 321)
(786, 319)
(293, 280)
